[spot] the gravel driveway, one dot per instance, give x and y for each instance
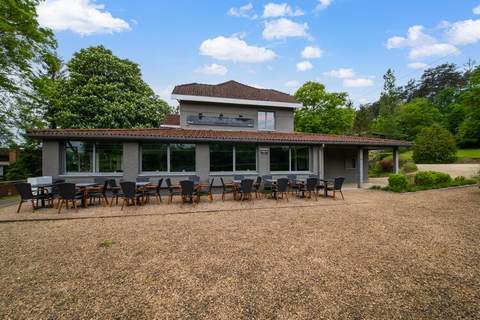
(453, 169)
(389, 256)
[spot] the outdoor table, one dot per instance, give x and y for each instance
(325, 184)
(41, 188)
(83, 186)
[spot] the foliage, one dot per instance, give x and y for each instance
(323, 112)
(398, 182)
(416, 115)
(468, 134)
(386, 165)
(390, 96)
(104, 91)
(436, 79)
(28, 164)
(409, 166)
(434, 145)
(106, 243)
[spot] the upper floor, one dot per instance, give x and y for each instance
(234, 106)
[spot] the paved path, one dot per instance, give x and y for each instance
(454, 169)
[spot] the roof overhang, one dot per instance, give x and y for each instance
(276, 104)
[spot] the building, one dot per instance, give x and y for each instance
(221, 131)
(7, 157)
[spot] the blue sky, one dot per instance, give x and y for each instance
(345, 44)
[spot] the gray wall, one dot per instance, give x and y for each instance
(335, 163)
(283, 116)
(51, 158)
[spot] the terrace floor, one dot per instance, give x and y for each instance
(377, 255)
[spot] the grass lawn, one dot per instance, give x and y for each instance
(376, 255)
(461, 154)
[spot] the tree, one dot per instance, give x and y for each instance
(434, 145)
(104, 91)
(28, 164)
(468, 134)
(323, 112)
(416, 115)
(434, 80)
(390, 96)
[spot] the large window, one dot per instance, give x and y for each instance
(182, 157)
(266, 120)
(154, 157)
(228, 158)
(93, 157)
(289, 158)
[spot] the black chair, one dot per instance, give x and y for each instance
(267, 184)
(281, 188)
(25, 191)
(311, 187)
(68, 192)
(256, 187)
(188, 192)
(154, 191)
(292, 182)
(172, 191)
(98, 193)
(143, 179)
(113, 191)
(246, 188)
(207, 191)
(130, 193)
(337, 187)
(228, 188)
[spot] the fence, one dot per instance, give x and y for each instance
(7, 188)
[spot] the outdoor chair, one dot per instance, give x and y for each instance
(154, 191)
(130, 193)
(172, 191)
(256, 187)
(267, 184)
(98, 193)
(246, 188)
(68, 192)
(228, 188)
(207, 191)
(188, 192)
(143, 179)
(26, 194)
(311, 187)
(281, 188)
(292, 182)
(337, 187)
(113, 191)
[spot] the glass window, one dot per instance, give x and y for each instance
(245, 158)
(109, 156)
(182, 158)
(78, 156)
(266, 120)
(221, 157)
(154, 157)
(300, 158)
(279, 158)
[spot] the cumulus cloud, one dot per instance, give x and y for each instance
(341, 73)
(292, 84)
(476, 10)
(418, 65)
(80, 16)
(433, 50)
(245, 11)
(274, 10)
(235, 49)
(213, 69)
(284, 28)
(323, 4)
(463, 32)
(357, 83)
(304, 66)
(310, 52)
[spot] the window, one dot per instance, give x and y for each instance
(266, 120)
(227, 158)
(182, 158)
(154, 157)
(290, 158)
(93, 157)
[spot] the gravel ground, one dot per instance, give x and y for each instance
(389, 256)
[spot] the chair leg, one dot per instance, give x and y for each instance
(342, 194)
(123, 203)
(334, 198)
(60, 205)
(19, 206)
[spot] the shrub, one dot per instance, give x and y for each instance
(441, 178)
(409, 166)
(424, 178)
(434, 145)
(398, 182)
(386, 165)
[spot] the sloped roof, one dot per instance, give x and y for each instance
(233, 90)
(177, 134)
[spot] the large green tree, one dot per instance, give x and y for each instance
(323, 112)
(416, 115)
(468, 134)
(104, 91)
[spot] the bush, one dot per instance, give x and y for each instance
(398, 182)
(434, 145)
(441, 178)
(386, 165)
(409, 166)
(432, 178)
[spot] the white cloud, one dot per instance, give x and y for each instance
(284, 28)
(292, 84)
(418, 65)
(433, 50)
(213, 69)
(273, 10)
(245, 11)
(357, 83)
(81, 16)
(166, 94)
(341, 73)
(310, 52)
(323, 4)
(304, 66)
(464, 32)
(235, 49)
(476, 10)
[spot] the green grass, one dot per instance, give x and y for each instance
(461, 154)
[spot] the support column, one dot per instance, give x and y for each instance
(51, 158)
(202, 161)
(396, 167)
(360, 168)
(321, 161)
(131, 161)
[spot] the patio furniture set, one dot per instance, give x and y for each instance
(43, 191)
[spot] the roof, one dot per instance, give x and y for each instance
(231, 91)
(177, 134)
(171, 120)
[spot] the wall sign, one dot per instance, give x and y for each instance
(220, 121)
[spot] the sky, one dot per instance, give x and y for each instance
(345, 44)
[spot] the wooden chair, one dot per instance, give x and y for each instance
(228, 188)
(130, 193)
(246, 188)
(26, 194)
(68, 192)
(311, 187)
(154, 191)
(337, 187)
(172, 191)
(207, 192)
(281, 188)
(188, 192)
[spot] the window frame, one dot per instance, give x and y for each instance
(168, 162)
(95, 165)
(234, 162)
(265, 120)
(290, 160)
